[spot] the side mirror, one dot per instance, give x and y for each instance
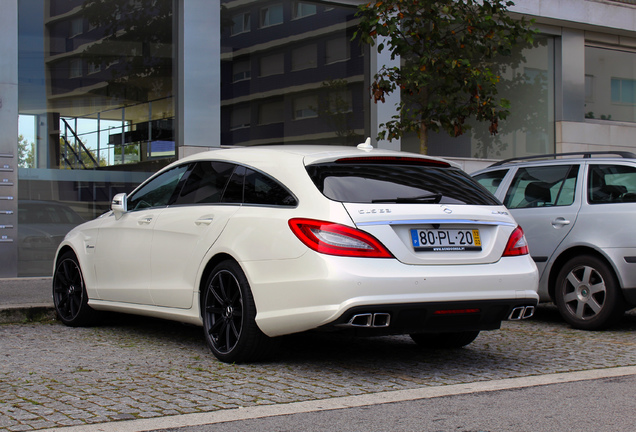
(119, 205)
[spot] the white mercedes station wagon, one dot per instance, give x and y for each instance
(256, 243)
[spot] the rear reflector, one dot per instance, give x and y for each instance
(456, 311)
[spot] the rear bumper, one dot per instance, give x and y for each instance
(435, 317)
(320, 291)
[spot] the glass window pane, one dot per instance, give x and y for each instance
(95, 92)
(302, 9)
(305, 57)
(305, 107)
(611, 184)
(205, 183)
(491, 180)
(158, 191)
(234, 190)
(616, 91)
(308, 37)
(241, 70)
(540, 187)
(614, 84)
(271, 112)
(241, 116)
(261, 189)
(272, 15)
(273, 64)
(528, 129)
(409, 184)
(337, 50)
(240, 23)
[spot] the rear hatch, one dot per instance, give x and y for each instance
(424, 210)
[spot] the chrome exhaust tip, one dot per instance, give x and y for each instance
(381, 320)
(370, 320)
(361, 320)
(521, 313)
(529, 312)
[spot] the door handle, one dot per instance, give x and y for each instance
(204, 221)
(144, 220)
(560, 222)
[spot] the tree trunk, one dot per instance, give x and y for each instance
(423, 136)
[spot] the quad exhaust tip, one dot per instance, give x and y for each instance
(370, 320)
(521, 312)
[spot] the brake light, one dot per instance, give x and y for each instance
(517, 244)
(335, 239)
(399, 160)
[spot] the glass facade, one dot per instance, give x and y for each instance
(610, 84)
(96, 112)
(97, 99)
(528, 83)
(291, 73)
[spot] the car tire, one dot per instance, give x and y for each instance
(69, 293)
(229, 314)
(444, 340)
(587, 294)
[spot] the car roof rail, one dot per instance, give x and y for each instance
(585, 155)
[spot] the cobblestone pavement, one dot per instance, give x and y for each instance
(129, 368)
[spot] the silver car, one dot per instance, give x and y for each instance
(578, 214)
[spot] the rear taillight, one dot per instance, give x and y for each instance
(335, 239)
(517, 244)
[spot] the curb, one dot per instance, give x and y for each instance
(16, 314)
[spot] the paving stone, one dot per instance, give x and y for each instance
(128, 368)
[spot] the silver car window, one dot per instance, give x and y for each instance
(544, 186)
(611, 184)
(491, 180)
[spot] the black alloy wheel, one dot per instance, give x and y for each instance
(229, 316)
(69, 293)
(587, 294)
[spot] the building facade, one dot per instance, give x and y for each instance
(96, 95)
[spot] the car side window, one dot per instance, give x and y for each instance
(234, 190)
(205, 183)
(248, 186)
(611, 184)
(545, 186)
(158, 191)
(491, 180)
(262, 189)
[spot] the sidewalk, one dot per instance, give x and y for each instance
(25, 299)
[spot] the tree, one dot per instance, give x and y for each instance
(448, 71)
(136, 46)
(26, 153)
(76, 155)
(334, 107)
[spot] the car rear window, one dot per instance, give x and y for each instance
(394, 182)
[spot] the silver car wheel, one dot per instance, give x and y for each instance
(587, 293)
(584, 292)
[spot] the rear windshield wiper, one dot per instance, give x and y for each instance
(426, 199)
